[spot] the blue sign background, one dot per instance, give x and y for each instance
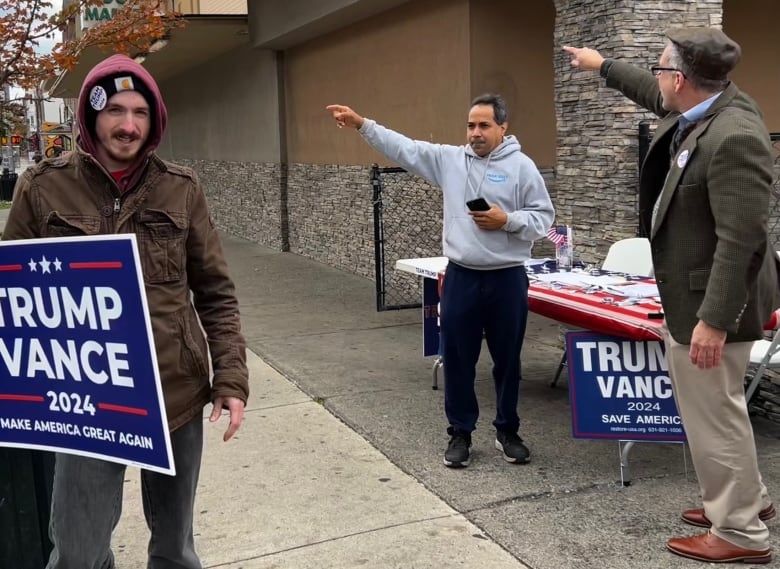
(430, 317)
(625, 394)
(31, 407)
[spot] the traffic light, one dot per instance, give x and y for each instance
(16, 139)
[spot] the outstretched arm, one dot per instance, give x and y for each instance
(584, 58)
(417, 156)
(345, 116)
(637, 84)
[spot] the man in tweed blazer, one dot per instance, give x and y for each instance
(704, 203)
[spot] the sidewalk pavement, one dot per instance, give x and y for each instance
(298, 489)
(339, 461)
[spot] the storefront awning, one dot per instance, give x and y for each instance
(201, 39)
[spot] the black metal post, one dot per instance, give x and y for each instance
(644, 139)
(379, 261)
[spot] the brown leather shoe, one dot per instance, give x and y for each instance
(711, 548)
(697, 518)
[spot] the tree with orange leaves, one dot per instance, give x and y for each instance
(132, 27)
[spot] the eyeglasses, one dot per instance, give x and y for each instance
(656, 69)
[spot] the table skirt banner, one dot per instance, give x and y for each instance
(431, 328)
(620, 389)
(598, 312)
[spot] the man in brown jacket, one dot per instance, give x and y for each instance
(113, 182)
(704, 203)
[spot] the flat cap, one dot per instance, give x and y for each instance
(707, 52)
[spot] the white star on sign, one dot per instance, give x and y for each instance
(57, 264)
(33, 265)
(44, 265)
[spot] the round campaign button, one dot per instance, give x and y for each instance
(682, 159)
(98, 98)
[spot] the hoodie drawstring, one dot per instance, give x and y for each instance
(484, 174)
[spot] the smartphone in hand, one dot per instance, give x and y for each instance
(478, 204)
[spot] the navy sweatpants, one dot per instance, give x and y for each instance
(495, 303)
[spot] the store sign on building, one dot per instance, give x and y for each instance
(97, 14)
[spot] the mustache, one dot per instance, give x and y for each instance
(127, 133)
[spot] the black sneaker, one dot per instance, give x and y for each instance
(512, 446)
(457, 455)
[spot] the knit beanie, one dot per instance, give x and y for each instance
(109, 86)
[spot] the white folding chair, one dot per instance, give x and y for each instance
(765, 354)
(631, 256)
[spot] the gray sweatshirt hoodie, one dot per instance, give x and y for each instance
(506, 177)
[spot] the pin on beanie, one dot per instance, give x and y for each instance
(113, 84)
(107, 87)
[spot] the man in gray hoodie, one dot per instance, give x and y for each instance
(486, 288)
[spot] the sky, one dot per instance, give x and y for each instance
(47, 45)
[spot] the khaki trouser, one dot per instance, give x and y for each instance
(714, 414)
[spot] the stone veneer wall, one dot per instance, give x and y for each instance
(766, 401)
(245, 198)
(330, 211)
(596, 173)
(774, 212)
(331, 217)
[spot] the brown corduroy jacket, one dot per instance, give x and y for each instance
(184, 269)
(709, 239)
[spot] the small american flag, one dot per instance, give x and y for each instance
(557, 234)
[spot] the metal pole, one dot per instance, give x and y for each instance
(644, 138)
(38, 118)
(12, 164)
(379, 261)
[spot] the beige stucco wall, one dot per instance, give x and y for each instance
(408, 69)
(511, 53)
(211, 6)
(279, 24)
(187, 6)
(755, 25)
(225, 109)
